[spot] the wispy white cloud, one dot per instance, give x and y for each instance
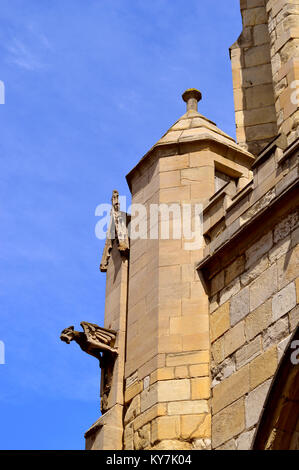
(29, 53)
(20, 55)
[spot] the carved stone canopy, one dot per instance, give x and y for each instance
(117, 231)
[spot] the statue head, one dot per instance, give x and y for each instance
(67, 335)
(115, 200)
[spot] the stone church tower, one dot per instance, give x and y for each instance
(202, 336)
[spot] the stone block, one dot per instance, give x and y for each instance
(169, 275)
(258, 320)
(133, 410)
(263, 367)
(239, 99)
(281, 347)
(201, 444)
(258, 249)
(197, 175)
(156, 362)
(181, 372)
(220, 321)
(200, 388)
(232, 289)
(128, 438)
(194, 306)
(234, 269)
(142, 438)
(294, 318)
(275, 333)
(223, 371)
(254, 403)
(133, 378)
(149, 397)
(175, 162)
(159, 409)
(173, 444)
(244, 441)
(172, 390)
(234, 339)
(189, 324)
(196, 426)
(280, 249)
(283, 229)
(239, 306)
(229, 445)
(198, 341)
(253, 76)
(287, 267)
(217, 283)
(295, 237)
(170, 343)
(171, 253)
(188, 407)
(254, 16)
(284, 301)
(178, 194)
(257, 55)
(230, 389)
(255, 270)
(165, 427)
(228, 423)
(201, 357)
(260, 34)
(248, 352)
(213, 304)
(170, 179)
(263, 287)
(199, 370)
(164, 373)
(217, 350)
(261, 132)
(255, 3)
(264, 115)
(112, 437)
(259, 96)
(133, 390)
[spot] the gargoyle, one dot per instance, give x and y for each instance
(98, 342)
(94, 340)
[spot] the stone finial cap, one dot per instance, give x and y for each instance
(192, 96)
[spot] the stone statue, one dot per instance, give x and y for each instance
(117, 231)
(98, 342)
(94, 340)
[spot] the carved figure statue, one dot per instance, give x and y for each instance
(94, 340)
(117, 231)
(98, 342)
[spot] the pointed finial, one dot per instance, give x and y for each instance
(192, 97)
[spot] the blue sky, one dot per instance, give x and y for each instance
(90, 86)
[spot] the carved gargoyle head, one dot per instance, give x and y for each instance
(67, 335)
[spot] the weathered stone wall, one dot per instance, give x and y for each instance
(251, 270)
(283, 26)
(257, 294)
(252, 79)
(265, 70)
